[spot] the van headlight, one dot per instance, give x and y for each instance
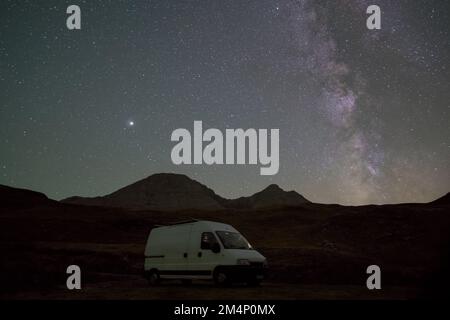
(243, 262)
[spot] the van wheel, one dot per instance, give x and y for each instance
(221, 278)
(153, 278)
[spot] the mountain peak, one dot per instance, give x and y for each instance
(161, 191)
(270, 197)
(168, 175)
(172, 179)
(273, 187)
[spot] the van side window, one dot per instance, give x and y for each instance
(207, 241)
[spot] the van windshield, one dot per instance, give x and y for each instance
(233, 240)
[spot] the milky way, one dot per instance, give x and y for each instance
(354, 159)
(363, 114)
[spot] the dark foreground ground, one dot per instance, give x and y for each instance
(135, 288)
(314, 251)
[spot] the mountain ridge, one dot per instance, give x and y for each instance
(170, 191)
(270, 197)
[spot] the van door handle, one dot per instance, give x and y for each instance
(199, 254)
(185, 255)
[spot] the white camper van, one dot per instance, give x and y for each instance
(202, 250)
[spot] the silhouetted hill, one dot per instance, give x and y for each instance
(163, 191)
(13, 197)
(272, 196)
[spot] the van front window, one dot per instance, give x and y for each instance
(233, 240)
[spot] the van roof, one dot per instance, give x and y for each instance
(178, 222)
(210, 224)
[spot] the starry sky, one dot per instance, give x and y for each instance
(363, 114)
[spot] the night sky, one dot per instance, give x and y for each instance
(363, 115)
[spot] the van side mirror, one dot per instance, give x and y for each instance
(215, 248)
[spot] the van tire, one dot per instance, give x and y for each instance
(153, 277)
(221, 278)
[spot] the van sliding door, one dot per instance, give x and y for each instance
(176, 255)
